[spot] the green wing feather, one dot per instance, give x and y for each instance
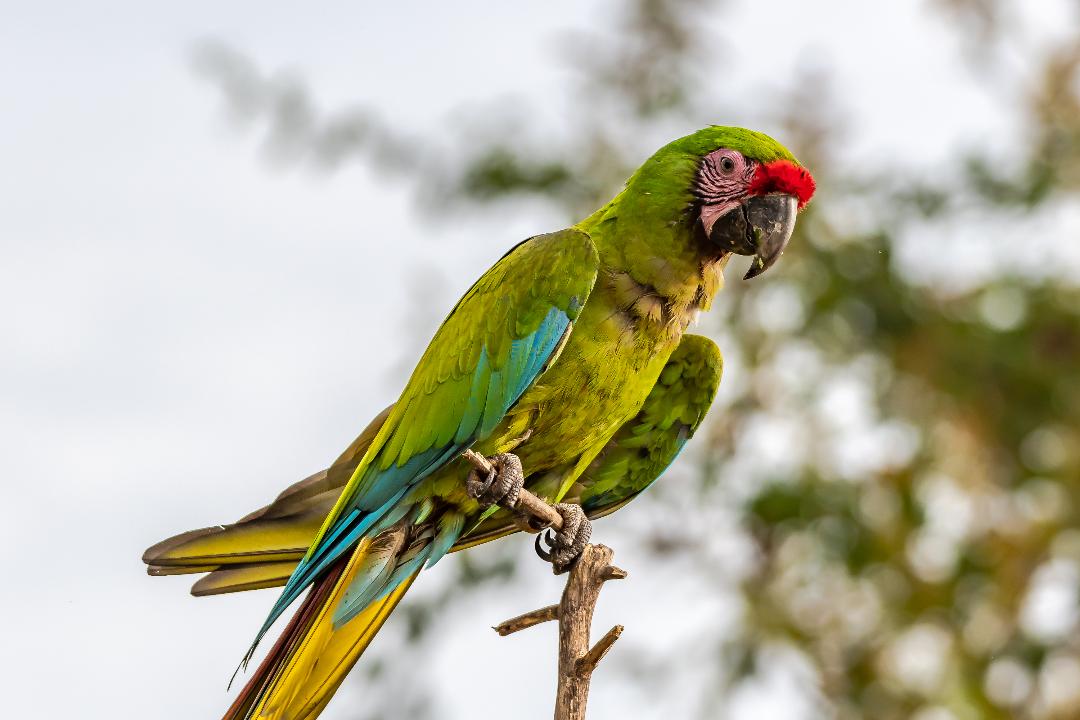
(488, 351)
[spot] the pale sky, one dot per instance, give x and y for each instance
(186, 330)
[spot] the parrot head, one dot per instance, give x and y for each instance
(748, 206)
(745, 191)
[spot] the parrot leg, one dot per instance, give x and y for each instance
(502, 485)
(566, 545)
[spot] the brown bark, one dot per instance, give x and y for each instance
(576, 659)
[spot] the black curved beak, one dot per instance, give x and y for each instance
(760, 227)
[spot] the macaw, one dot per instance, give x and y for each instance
(567, 364)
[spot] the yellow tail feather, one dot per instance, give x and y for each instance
(258, 541)
(312, 658)
(238, 578)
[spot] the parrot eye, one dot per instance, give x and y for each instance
(727, 164)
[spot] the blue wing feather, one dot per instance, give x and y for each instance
(505, 367)
(504, 387)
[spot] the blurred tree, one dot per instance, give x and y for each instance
(902, 439)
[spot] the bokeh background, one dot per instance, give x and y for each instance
(228, 230)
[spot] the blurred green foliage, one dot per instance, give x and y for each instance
(918, 543)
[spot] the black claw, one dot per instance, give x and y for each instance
(535, 524)
(539, 547)
(477, 487)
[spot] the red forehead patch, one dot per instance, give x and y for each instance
(783, 176)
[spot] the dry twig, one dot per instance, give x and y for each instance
(521, 622)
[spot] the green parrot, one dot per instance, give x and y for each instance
(566, 364)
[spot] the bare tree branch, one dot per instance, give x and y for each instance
(577, 660)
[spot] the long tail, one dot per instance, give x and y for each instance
(311, 658)
(261, 549)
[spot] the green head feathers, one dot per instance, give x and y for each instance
(752, 144)
(676, 164)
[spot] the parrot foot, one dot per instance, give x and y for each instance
(503, 484)
(565, 546)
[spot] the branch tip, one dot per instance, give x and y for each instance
(521, 622)
(612, 573)
(588, 662)
(478, 461)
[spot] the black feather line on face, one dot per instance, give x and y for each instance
(714, 186)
